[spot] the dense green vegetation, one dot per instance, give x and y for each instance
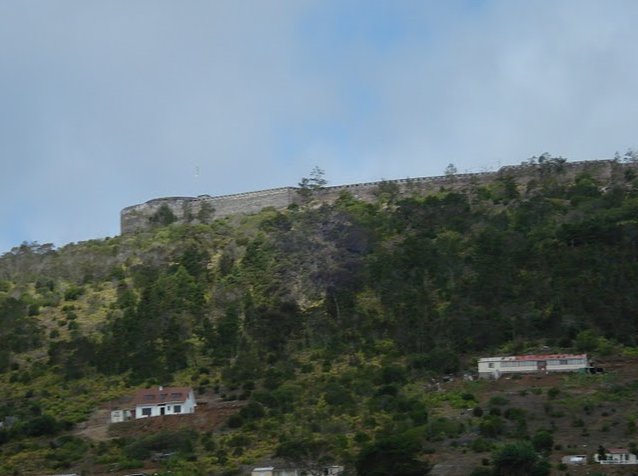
(327, 319)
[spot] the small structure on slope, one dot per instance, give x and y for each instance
(494, 367)
(152, 402)
(616, 456)
(334, 470)
(574, 459)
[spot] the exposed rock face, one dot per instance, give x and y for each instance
(205, 208)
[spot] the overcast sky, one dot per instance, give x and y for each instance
(105, 104)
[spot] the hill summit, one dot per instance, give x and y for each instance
(206, 208)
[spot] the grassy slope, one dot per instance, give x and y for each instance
(341, 394)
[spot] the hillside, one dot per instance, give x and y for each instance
(321, 333)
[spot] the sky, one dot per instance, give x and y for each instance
(110, 103)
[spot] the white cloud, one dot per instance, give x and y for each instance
(106, 104)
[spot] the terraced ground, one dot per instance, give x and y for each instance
(581, 412)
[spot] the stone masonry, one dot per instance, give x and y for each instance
(205, 208)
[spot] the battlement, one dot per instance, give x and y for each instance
(206, 208)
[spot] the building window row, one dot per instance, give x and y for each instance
(147, 411)
(519, 363)
(566, 362)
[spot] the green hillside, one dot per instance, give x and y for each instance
(332, 325)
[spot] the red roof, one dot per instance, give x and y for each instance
(153, 396)
(617, 451)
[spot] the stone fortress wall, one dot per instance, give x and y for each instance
(205, 208)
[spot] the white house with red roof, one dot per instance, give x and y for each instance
(494, 367)
(616, 456)
(333, 470)
(158, 401)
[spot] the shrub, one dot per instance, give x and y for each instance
(498, 400)
(586, 341)
(518, 459)
(543, 441)
(286, 396)
(443, 427)
(165, 442)
(73, 293)
(514, 413)
(235, 421)
(393, 374)
(491, 426)
(239, 441)
(252, 411)
(438, 360)
(338, 395)
(419, 416)
(265, 398)
(40, 426)
(553, 392)
(481, 445)
(395, 455)
(66, 450)
(389, 389)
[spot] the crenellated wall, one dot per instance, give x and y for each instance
(205, 208)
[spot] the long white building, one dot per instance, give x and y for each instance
(494, 367)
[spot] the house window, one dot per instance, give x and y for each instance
(491, 365)
(146, 411)
(177, 409)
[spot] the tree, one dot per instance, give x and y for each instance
(205, 213)
(586, 341)
(310, 453)
(601, 453)
(317, 179)
(543, 441)
(228, 328)
(550, 165)
(392, 455)
(630, 157)
(387, 191)
(518, 459)
(450, 170)
(309, 185)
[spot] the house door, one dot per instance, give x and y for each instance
(541, 365)
(162, 410)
